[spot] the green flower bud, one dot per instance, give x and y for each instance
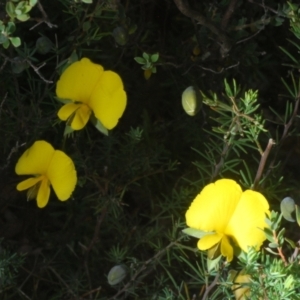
(116, 274)
(191, 100)
(287, 207)
(120, 35)
(43, 45)
(19, 65)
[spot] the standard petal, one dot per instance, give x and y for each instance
(67, 110)
(248, 220)
(62, 175)
(78, 81)
(28, 183)
(109, 99)
(209, 241)
(36, 159)
(43, 193)
(226, 248)
(212, 209)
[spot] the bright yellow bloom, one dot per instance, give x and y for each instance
(242, 292)
(90, 89)
(231, 215)
(49, 167)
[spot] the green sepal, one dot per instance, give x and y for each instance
(99, 126)
(64, 101)
(196, 232)
(212, 264)
(68, 130)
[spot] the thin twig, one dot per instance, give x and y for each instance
(25, 60)
(45, 18)
(36, 70)
(229, 12)
(284, 134)
(13, 150)
(226, 44)
(210, 287)
(220, 164)
(262, 162)
(3, 65)
(144, 267)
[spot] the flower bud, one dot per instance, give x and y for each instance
(116, 274)
(120, 35)
(191, 100)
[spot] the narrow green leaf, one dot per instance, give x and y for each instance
(269, 234)
(271, 251)
(292, 243)
(273, 245)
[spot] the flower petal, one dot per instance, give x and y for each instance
(78, 81)
(43, 193)
(108, 100)
(81, 117)
(28, 183)
(62, 175)
(242, 292)
(67, 110)
(248, 220)
(209, 241)
(212, 209)
(81, 114)
(35, 160)
(226, 248)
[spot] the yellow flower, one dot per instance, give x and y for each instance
(90, 89)
(231, 215)
(242, 292)
(49, 166)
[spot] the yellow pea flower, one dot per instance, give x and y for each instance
(49, 167)
(242, 292)
(90, 89)
(233, 216)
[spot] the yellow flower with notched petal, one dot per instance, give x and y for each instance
(229, 215)
(91, 90)
(49, 167)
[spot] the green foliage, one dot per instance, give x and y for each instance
(123, 235)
